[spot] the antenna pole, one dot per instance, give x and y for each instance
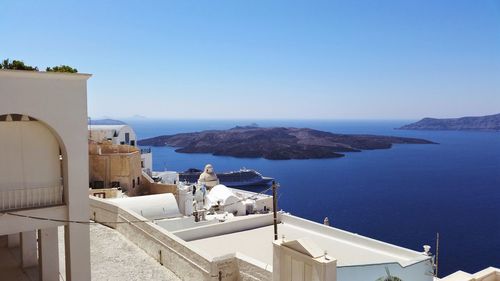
(275, 222)
(437, 253)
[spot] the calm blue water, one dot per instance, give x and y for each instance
(402, 195)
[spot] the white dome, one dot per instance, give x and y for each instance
(226, 197)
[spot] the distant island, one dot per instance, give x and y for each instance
(105, 122)
(276, 143)
(480, 123)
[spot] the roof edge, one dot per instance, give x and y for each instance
(44, 74)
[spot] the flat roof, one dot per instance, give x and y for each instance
(348, 248)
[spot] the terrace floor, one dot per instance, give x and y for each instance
(113, 257)
(257, 243)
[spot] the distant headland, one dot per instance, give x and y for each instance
(105, 122)
(276, 143)
(479, 123)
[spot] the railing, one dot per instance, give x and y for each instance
(30, 198)
(145, 150)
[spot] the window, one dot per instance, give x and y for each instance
(133, 183)
(98, 184)
(132, 142)
(138, 181)
(115, 184)
(127, 138)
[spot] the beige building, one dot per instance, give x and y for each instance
(121, 135)
(115, 166)
(43, 173)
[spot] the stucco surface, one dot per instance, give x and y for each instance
(115, 258)
(257, 243)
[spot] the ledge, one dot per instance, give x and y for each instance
(44, 74)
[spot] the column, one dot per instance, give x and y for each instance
(49, 254)
(29, 251)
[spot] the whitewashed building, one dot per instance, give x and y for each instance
(43, 173)
(117, 134)
(232, 246)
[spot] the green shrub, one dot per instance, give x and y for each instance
(62, 68)
(17, 65)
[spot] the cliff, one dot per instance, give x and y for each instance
(481, 123)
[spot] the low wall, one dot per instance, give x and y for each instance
(105, 192)
(352, 237)
(253, 270)
(151, 187)
(211, 230)
(173, 252)
(167, 249)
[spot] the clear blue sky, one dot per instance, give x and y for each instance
(268, 59)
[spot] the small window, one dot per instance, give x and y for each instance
(132, 142)
(133, 183)
(142, 164)
(115, 184)
(98, 184)
(138, 181)
(122, 142)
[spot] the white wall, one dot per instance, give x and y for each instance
(59, 101)
(147, 160)
(421, 271)
(29, 156)
(104, 132)
(126, 130)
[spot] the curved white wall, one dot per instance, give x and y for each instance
(29, 156)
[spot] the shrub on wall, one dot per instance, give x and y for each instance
(17, 65)
(62, 68)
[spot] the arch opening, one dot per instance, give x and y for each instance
(31, 170)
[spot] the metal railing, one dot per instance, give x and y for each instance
(30, 198)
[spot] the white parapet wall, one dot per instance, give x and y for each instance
(303, 260)
(487, 274)
(225, 228)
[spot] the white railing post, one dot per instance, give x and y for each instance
(31, 197)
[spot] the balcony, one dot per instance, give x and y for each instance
(30, 198)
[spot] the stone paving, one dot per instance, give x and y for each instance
(114, 257)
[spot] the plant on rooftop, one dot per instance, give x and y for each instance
(62, 68)
(389, 277)
(16, 65)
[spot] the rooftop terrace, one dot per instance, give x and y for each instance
(349, 249)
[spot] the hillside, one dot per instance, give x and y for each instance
(276, 143)
(481, 123)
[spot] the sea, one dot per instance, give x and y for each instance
(404, 195)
